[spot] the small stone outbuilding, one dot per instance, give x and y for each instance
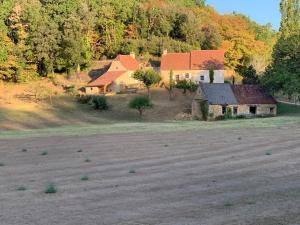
(214, 100)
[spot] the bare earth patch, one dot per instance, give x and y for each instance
(193, 177)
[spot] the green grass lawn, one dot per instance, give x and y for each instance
(287, 109)
(289, 115)
(152, 127)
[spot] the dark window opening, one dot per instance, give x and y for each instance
(223, 110)
(252, 109)
(235, 110)
(187, 76)
(177, 77)
(272, 110)
(201, 77)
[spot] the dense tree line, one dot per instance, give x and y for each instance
(283, 74)
(40, 37)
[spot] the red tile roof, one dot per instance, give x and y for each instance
(106, 78)
(252, 94)
(128, 62)
(205, 59)
(196, 60)
(175, 61)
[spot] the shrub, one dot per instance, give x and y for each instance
(84, 178)
(71, 90)
(87, 160)
(241, 116)
(221, 117)
(22, 188)
(187, 85)
(50, 189)
(228, 113)
(204, 110)
(99, 103)
(140, 103)
(44, 153)
(193, 86)
(84, 99)
(132, 171)
(182, 84)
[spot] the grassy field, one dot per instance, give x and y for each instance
(244, 175)
(66, 164)
(131, 127)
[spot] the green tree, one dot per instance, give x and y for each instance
(140, 103)
(149, 78)
(183, 84)
(170, 85)
(9, 65)
(290, 19)
(283, 75)
(211, 75)
(250, 76)
(44, 45)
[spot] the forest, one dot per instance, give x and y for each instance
(42, 37)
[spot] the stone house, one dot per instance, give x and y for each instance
(193, 66)
(118, 77)
(241, 99)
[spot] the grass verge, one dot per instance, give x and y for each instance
(152, 127)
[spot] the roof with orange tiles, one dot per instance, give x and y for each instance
(128, 62)
(195, 60)
(106, 78)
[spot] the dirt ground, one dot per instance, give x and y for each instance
(200, 177)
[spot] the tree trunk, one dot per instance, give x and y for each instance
(140, 113)
(149, 94)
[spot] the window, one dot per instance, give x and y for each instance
(253, 109)
(187, 76)
(235, 110)
(177, 77)
(223, 110)
(272, 110)
(201, 77)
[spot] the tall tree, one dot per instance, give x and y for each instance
(290, 20)
(283, 75)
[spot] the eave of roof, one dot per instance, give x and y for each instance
(106, 78)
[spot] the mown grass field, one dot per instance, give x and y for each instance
(188, 173)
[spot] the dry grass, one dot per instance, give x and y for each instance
(63, 110)
(206, 177)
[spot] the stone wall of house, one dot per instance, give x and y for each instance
(116, 66)
(262, 109)
(123, 82)
(194, 75)
(92, 90)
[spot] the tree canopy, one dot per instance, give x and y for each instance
(49, 36)
(283, 75)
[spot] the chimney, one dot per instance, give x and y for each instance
(132, 54)
(165, 51)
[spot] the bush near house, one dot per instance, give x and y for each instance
(99, 103)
